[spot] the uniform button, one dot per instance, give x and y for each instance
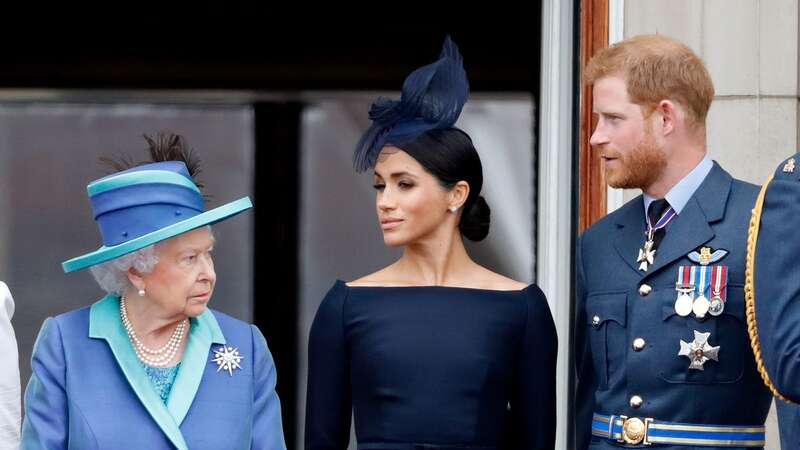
(636, 402)
(645, 290)
(596, 321)
(638, 344)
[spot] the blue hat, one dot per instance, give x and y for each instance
(138, 207)
(432, 98)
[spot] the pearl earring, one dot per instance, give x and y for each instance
(141, 292)
(453, 209)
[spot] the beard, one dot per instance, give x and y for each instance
(639, 168)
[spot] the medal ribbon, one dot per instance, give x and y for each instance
(666, 218)
(719, 279)
(684, 275)
(704, 283)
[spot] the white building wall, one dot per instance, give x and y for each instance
(751, 50)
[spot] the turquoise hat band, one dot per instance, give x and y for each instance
(140, 177)
(105, 253)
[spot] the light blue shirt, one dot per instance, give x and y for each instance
(679, 195)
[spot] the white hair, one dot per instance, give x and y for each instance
(112, 276)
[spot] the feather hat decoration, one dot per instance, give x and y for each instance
(432, 98)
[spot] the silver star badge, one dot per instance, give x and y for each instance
(227, 358)
(698, 351)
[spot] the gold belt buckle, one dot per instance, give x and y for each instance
(634, 430)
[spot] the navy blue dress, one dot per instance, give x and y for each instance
(432, 368)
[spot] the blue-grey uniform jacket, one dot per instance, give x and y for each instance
(628, 332)
(776, 289)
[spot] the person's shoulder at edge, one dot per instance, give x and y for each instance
(6, 300)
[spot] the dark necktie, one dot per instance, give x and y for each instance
(654, 212)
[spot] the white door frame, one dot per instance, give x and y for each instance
(616, 32)
(554, 236)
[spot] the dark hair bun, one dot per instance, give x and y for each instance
(475, 220)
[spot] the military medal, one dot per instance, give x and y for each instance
(685, 288)
(699, 351)
(647, 253)
(719, 284)
(701, 304)
(717, 306)
(683, 304)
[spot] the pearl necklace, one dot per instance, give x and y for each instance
(159, 357)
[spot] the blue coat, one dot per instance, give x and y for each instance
(617, 303)
(777, 293)
(89, 391)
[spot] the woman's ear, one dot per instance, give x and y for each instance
(135, 278)
(458, 195)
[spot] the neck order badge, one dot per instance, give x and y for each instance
(647, 253)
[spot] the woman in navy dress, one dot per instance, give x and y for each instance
(433, 351)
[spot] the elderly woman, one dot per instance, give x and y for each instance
(149, 366)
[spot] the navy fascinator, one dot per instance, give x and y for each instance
(432, 98)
